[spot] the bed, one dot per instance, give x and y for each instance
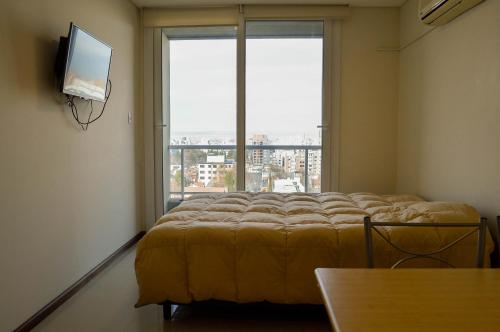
(253, 247)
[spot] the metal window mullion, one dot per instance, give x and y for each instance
(164, 124)
(326, 107)
(306, 165)
(240, 103)
(335, 178)
(182, 174)
(157, 120)
(330, 156)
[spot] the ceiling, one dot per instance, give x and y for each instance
(360, 3)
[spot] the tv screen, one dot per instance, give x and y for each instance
(87, 66)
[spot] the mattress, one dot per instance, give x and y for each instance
(252, 247)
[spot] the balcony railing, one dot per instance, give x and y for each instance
(183, 148)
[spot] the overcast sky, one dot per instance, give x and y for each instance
(283, 89)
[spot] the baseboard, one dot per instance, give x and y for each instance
(34, 320)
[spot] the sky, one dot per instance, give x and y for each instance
(283, 86)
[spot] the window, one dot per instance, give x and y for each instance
(281, 142)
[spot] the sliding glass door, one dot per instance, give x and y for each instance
(284, 82)
(283, 72)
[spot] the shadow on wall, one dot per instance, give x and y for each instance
(33, 74)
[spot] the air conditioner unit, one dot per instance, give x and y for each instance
(438, 12)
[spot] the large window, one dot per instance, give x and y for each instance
(282, 71)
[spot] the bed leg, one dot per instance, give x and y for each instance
(167, 311)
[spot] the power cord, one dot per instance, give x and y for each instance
(70, 100)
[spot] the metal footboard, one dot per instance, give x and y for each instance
(479, 227)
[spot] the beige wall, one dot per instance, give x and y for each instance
(449, 109)
(68, 199)
(369, 101)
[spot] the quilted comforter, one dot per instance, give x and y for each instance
(250, 247)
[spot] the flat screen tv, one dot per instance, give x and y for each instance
(86, 65)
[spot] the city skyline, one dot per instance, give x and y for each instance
(266, 169)
(225, 138)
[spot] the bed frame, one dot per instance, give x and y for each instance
(168, 310)
(480, 227)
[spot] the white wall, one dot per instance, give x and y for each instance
(449, 109)
(369, 101)
(68, 199)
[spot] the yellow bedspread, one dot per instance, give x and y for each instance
(248, 247)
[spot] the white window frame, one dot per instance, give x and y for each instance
(156, 108)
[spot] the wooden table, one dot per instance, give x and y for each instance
(411, 299)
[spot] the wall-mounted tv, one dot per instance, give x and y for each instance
(86, 65)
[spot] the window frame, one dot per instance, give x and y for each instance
(156, 162)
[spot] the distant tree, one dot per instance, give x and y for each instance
(191, 175)
(230, 180)
(175, 157)
(269, 184)
(194, 157)
(178, 180)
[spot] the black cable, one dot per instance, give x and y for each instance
(90, 114)
(74, 109)
(104, 106)
(76, 112)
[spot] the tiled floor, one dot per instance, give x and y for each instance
(107, 304)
